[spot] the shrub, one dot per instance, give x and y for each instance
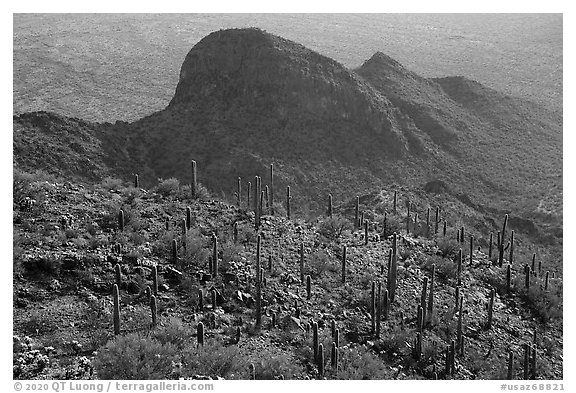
(272, 365)
(320, 263)
(230, 253)
(135, 356)
(174, 331)
(197, 248)
(359, 363)
(393, 224)
(42, 266)
(213, 359)
(168, 187)
(333, 227)
(448, 247)
(545, 305)
(112, 184)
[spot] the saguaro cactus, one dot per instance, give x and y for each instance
(334, 356)
(378, 309)
(136, 181)
(366, 232)
(508, 278)
(308, 287)
(315, 340)
(330, 205)
(200, 300)
(534, 263)
(437, 220)
(395, 202)
(459, 328)
(385, 303)
(373, 307)
(444, 229)
(490, 309)
(118, 275)
(174, 252)
(116, 311)
(153, 309)
(302, 263)
(510, 375)
(272, 189)
(546, 280)
(459, 267)
(288, 197)
(392, 273)
(526, 360)
(258, 285)
(200, 333)
(188, 218)
(501, 242)
(357, 212)
(194, 180)
(527, 277)
(321, 360)
(462, 234)
(343, 264)
(423, 298)
(248, 190)
(256, 201)
(121, 220)
(533, 362)
(214, 300)
(490, 246)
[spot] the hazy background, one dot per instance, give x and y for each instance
(107, 67)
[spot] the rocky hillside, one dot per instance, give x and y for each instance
(71, 247)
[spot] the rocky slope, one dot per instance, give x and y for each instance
(67, 244)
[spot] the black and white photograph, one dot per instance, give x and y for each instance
(205, 197)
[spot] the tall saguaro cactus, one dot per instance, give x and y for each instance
(272, 189)
(214, 255)
(490, 309)
(423, 299)
(116, 311)
(200, 333)
(501, 242)
(258, 284)
(490, 246)
(392, 272)
(395, 202)
(302, 263)
(194, 181)
(344, 264)
(288, 197)
(121, 220)
(248, 199)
